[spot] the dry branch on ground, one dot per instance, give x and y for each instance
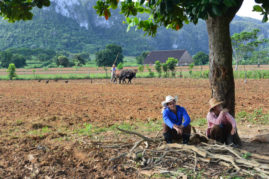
(149, 156)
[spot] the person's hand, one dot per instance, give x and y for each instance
(178, 128)
(233, 131)
(225, 110)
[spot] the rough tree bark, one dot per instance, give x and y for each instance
(220, 58)
(220, 61)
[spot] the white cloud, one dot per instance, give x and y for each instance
(246, 10)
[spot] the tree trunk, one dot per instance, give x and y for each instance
(220, 57)
(220, 61)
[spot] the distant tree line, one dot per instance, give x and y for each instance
(21, 57)
(248, 49)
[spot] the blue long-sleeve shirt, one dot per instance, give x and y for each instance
(171, 118)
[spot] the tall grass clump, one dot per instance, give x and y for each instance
(151, 73)
(141, 68)
(254, 74)
(11, 71)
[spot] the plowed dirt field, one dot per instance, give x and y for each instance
(60, 109)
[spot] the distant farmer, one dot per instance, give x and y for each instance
(221, 124)
(174, 128)
(113, 72)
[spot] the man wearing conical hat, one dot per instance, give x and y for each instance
(221, 124)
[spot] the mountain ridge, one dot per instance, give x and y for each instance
(74, 26)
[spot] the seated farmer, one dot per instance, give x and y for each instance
(221, 125)
(174, 128)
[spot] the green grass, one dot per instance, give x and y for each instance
(122, 125)
(40, 132)
(86, 130)
(90, 129)
(90, 63)
(254, 74)
(129, 61)
(261, 74)
(256, 117)
(140, 126)
(58, 76)
(19, 122)
(199, 122)
(151, 126)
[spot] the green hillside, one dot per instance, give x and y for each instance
(51, 30)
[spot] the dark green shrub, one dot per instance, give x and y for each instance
(62, 61)
(200, 58)
(165, 69)
(171, 64)
(158, 67)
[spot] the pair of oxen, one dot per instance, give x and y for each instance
(124, 74)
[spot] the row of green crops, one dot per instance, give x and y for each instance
(257, 74)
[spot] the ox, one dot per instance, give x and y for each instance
(125, 74)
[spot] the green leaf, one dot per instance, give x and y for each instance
(186, 21)
(205, 1)
(142, 2)
(216, 2)
(216, 10)
(136, 20)
(257, 8)
(128, 28)
(230, 3)
(265, 18)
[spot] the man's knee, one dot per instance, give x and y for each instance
(187, 129)
(217, 133)
(165, 128)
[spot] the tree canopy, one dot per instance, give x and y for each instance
(200, 58)
(63, 61)
(14, 10)
(111, 54)
(7, 58)
(173, 13)
(140, 59)
(244, 44)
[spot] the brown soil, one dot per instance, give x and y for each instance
(62, 108)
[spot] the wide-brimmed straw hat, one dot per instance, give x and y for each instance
(213, 102)
(169, 99)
